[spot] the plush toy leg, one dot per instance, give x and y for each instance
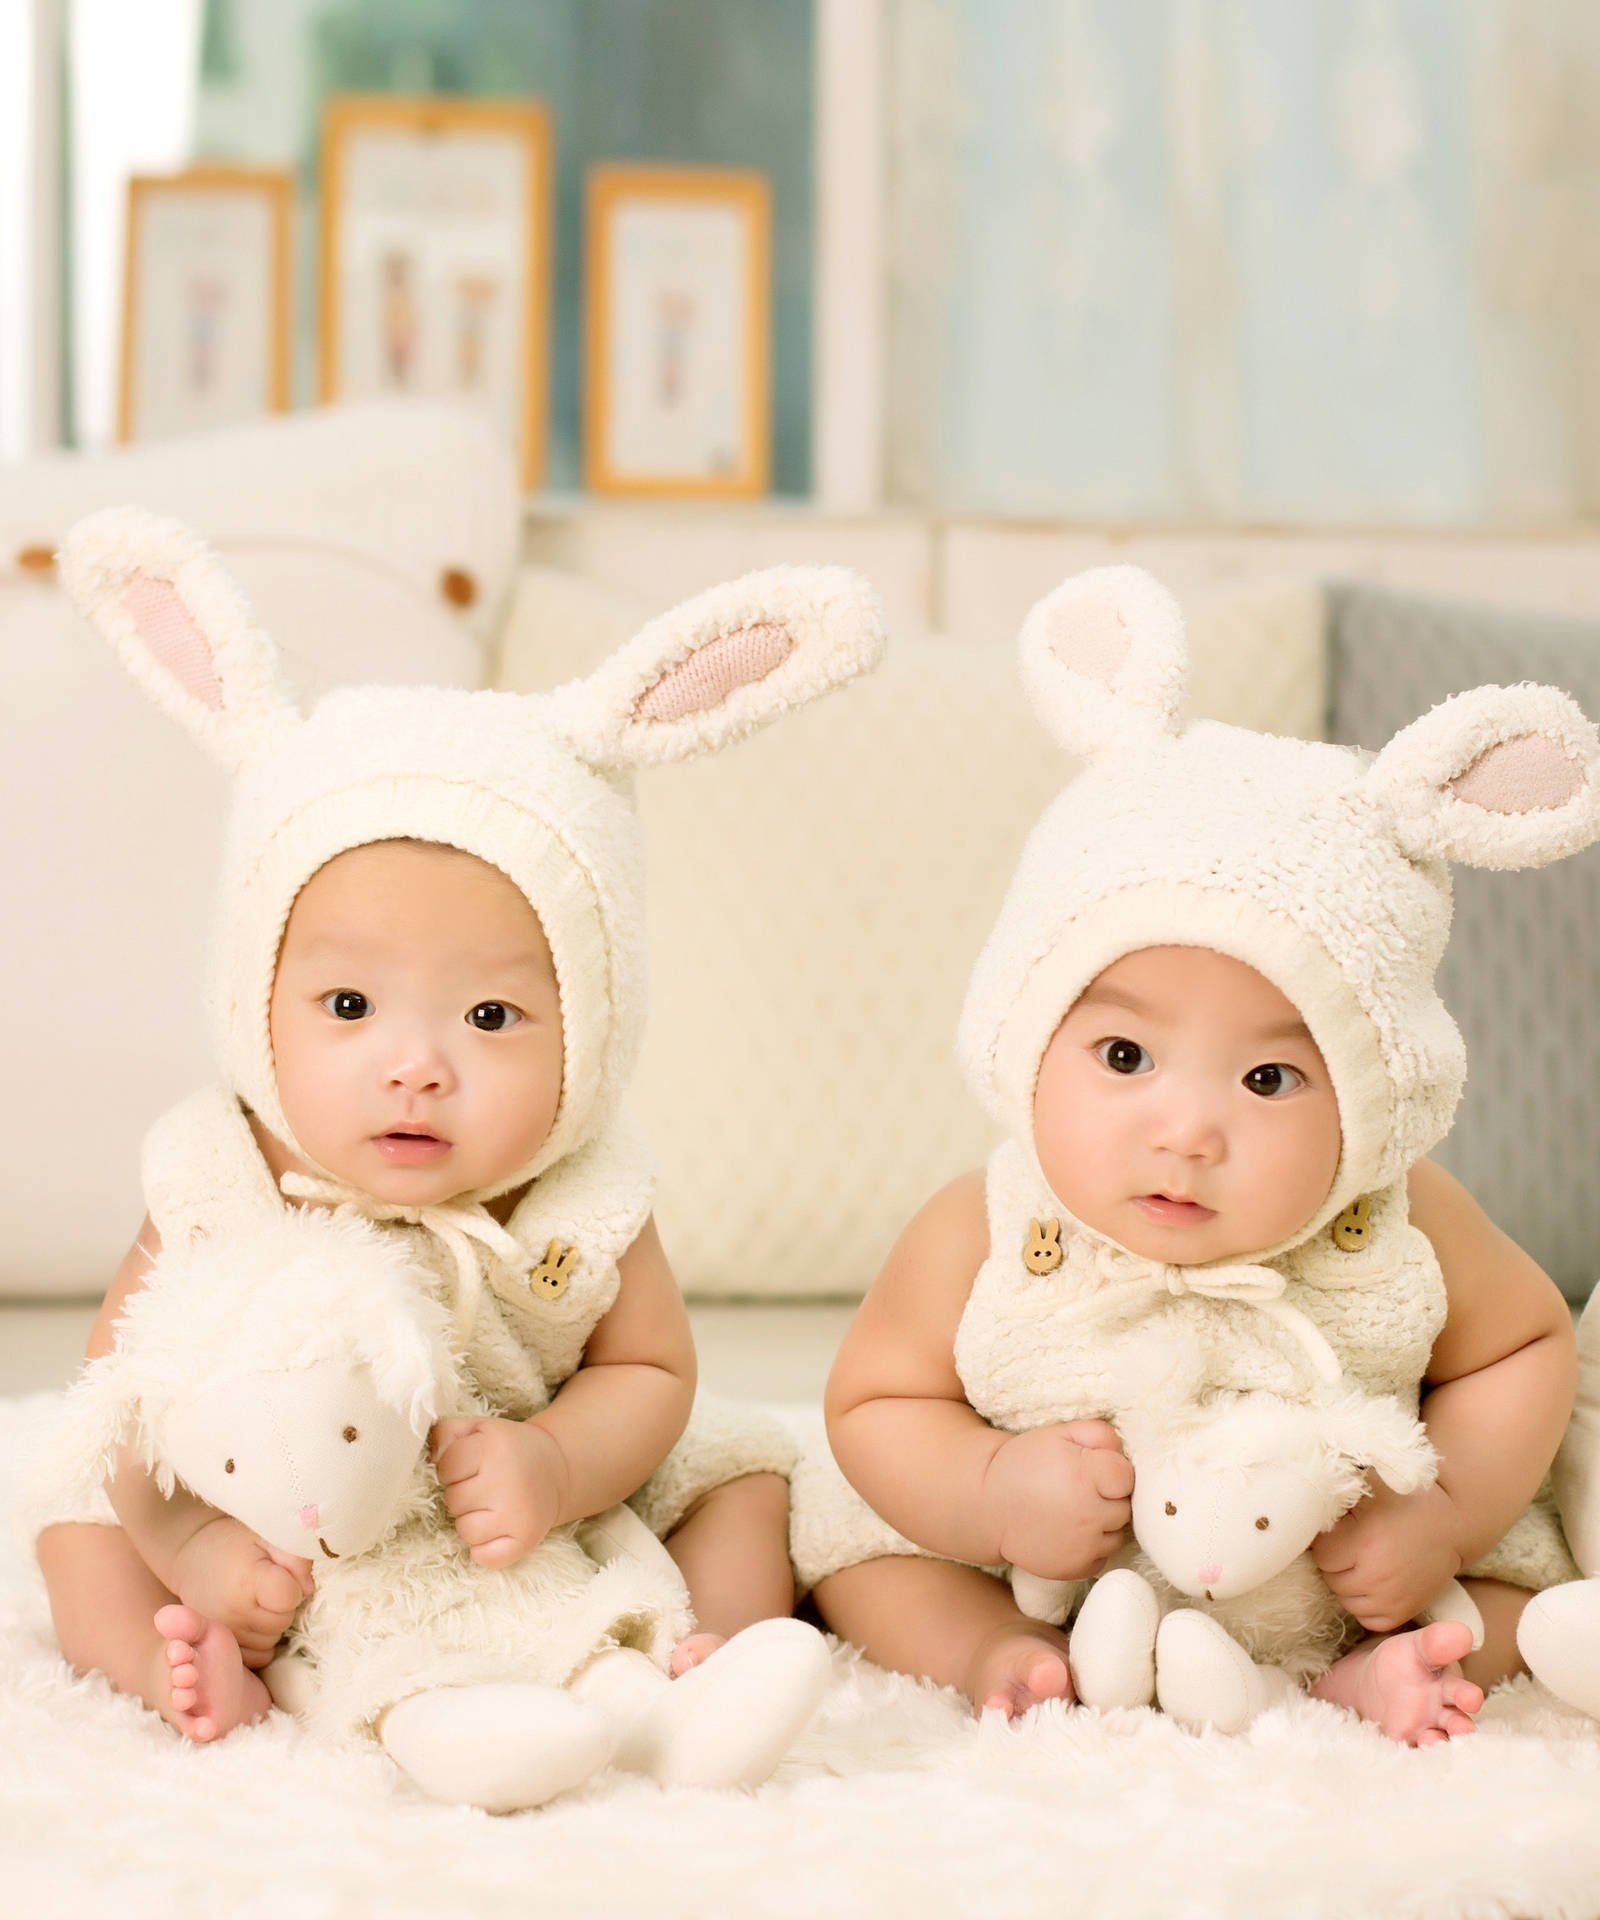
(1559, 1637)
(1041, 1599)
(1453, 1602)
(1204, 1678)
(727, 1722)
(1112, 1653)
(502, 1747)
(292, 1682)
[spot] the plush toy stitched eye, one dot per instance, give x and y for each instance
(1262, 1524)
(1171, 1508)
(350, 1433)
(227, 1466)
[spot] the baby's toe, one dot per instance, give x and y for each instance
(1455, 1724)
(1444, 1642)
(1462, 1694)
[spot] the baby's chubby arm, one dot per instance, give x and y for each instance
(211, 1562)
(508, 1482)
(1054, 1501)
(1499, 1392)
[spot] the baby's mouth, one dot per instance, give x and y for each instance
(411, 1146)
(1169, 1210)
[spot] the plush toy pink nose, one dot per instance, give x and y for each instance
(1209, 1576)
(308, 1516)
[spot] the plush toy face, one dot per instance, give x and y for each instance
(311, 1460)
(1217, 1533)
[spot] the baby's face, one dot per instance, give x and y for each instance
(416, 1023)
(1183, 1110)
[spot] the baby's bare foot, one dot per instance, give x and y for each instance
(691, 1652)
(208, 1689)
(1018, 1667)
(1409, 1685)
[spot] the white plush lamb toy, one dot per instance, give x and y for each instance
(291, 1382)
(1219, 1610)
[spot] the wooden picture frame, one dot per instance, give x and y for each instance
(436, 249)
(205, 300)
(678, 332)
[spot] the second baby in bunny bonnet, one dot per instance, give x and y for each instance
(1206, 1018)
(427, 996)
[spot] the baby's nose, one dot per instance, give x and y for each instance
(307, 1516)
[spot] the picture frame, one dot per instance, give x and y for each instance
(436, 249)
(678, 332)
(205, 300)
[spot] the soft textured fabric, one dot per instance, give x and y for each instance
(1328, 874)
(1522, 975)
(896, 1799)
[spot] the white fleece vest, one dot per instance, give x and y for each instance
(1035, 1347)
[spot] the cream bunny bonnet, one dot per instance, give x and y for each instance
(1324, 868)
(537, 785)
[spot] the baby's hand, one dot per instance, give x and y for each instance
(502, 1482)
(1390, 1555)
(229, 1575)
(1060, 1498)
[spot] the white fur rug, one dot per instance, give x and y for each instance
(897, 1802)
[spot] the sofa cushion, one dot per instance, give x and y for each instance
(818, 895)
(1522, 974)
(357, 534)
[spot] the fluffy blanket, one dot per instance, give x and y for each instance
(897, 1801)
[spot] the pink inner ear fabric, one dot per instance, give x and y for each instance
(168, 629)
(1092, 641)
(1523, 775)
(719, 668)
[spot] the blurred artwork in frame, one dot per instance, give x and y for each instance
(436, 248)
(205, 301)
(678, 331)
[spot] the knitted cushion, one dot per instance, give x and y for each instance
(817, 898)
(1522, 974)
(377, 541)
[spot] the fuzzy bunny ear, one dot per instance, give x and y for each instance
(722, 665)
(1498, 777)
(180, 625)
(1104, 657)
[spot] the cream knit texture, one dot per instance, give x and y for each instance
(538, 786)
(1327, 872)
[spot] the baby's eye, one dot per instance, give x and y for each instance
(493, 1016)
(347, 1004)
(1270, 1081)
(1124, 1056)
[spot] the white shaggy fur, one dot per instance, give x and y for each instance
(291, 1380)
(896, 1800)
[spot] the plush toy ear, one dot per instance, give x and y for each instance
(722, 665)
(410, 1360)
(1381, 1435)
(1498, 777)
(1104, 658)
(180, 625)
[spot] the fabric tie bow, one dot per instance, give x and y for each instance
(456, 1224)
(1243, 1281)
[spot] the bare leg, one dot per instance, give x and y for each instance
(732, 1548)
(949, 1623)
(104, 1601)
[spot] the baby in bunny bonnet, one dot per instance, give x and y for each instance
(1206, 1019)
(427, 996)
